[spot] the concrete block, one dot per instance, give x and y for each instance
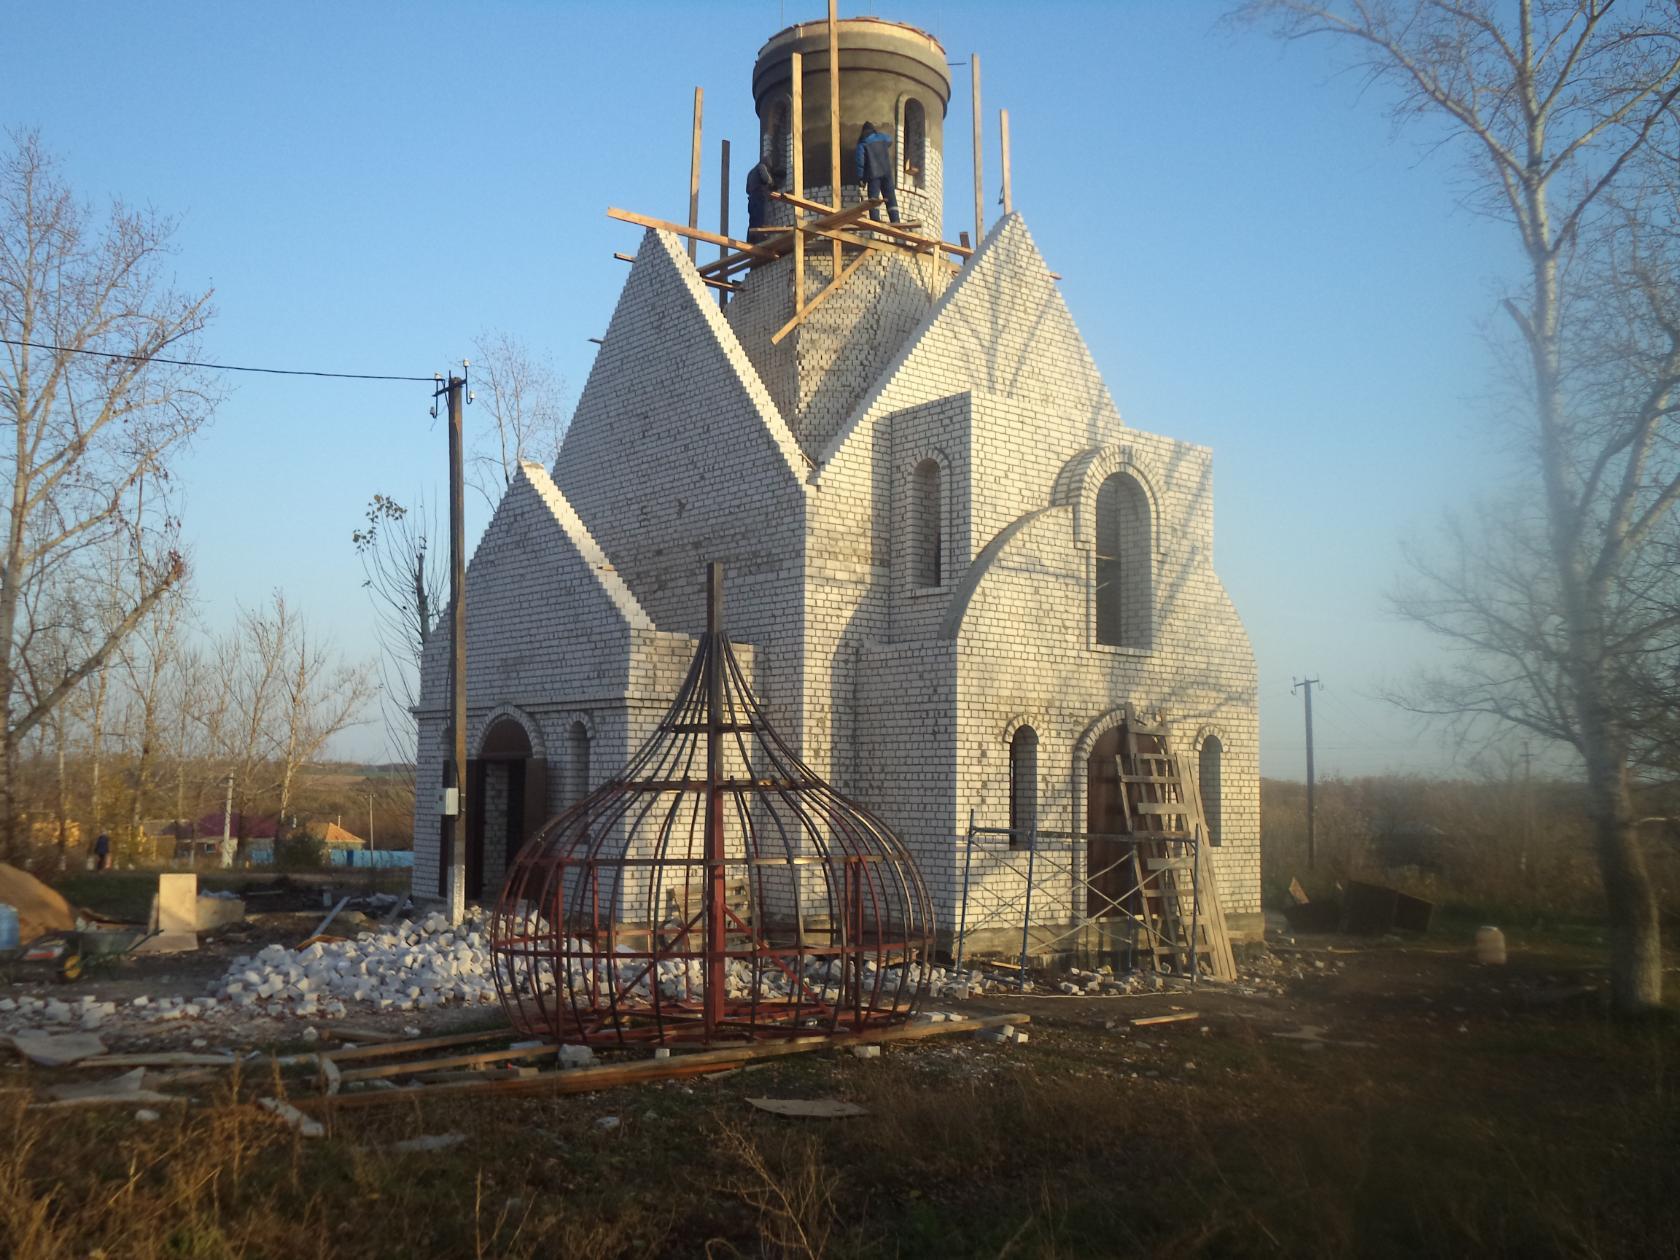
(177, 902)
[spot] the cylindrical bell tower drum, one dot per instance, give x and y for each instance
(891, 75)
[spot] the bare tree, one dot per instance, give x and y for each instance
(405, 577)
(320, 695)
(1560, 105)
(85, 429)
(523, 399)
(147, 660)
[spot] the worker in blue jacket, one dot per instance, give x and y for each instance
(874, 160)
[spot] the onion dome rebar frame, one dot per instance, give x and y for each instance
(715, 889)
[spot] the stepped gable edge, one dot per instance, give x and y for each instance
(650, 295)
(1007, 260)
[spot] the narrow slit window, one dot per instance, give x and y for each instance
(1207, 779)
(577, 763)
(914, 147)
(926, 526)
(1023, 787)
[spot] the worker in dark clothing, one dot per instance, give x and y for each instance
(874, 160)
(762, 180)
(101, 852)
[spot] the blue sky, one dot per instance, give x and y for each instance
(1258, 260)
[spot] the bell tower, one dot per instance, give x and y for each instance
(817, 363)
(892, 75)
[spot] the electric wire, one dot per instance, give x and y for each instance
(219, 367)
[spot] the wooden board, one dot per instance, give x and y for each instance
(608, 1076)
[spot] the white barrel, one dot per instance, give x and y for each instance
(1490, 947)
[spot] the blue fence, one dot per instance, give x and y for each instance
(372, 859)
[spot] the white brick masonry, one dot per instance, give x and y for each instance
(898, 674)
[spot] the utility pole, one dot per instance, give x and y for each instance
(1312, 839)
(454, 809)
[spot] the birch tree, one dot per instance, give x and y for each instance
(86, 413)
(1566, 113)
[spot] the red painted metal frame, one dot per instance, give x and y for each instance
(833, 933)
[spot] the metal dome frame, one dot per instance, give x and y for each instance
(810, 916)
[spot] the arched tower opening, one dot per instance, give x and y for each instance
(882, 64)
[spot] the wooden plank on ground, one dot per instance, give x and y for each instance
(386, 1049)
(1181, 1017)
(545, 1050)
(608, 1076)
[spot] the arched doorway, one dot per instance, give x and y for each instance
(1106, 872)
(507, 797)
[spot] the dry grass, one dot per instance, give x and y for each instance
(1540, 1134)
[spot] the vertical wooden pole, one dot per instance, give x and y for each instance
(457, 654)
(723, 213)
(1008, 194)
(694, 176)
(834, 117)
(979, 193)
(797, 123)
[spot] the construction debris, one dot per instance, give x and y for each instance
(57, 1049)
(296, 1119)
(808, 1108)
(127, 1088)
(428, 1142)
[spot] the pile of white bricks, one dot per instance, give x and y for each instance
(411, 966)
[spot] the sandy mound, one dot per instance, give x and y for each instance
(39, 908)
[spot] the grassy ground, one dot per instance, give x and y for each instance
(1455, 1111)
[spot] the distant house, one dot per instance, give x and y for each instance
(336, 837)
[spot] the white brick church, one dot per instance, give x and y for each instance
(959, 571)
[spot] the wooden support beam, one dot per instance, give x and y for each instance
(799, 317)
(699, 234)
(629, 258)
(723, 211)
(979, 192)
(694, 176)
(886, 229)
(797, 122)
(834, 115)
(1003, 130)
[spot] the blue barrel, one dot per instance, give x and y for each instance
(8, 927)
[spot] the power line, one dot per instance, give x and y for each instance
(219, 367)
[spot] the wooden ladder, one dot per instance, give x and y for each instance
(1179, 911)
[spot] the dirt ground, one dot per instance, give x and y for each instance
(1345, 1097)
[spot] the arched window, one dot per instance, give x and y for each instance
(577, 763)
(1124, 574)
(927, 539)
(1023, 787)
(914, 146)
(1207, 777)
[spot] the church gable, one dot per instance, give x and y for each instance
(1001, 329)
(548, 618)
(676, 453)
